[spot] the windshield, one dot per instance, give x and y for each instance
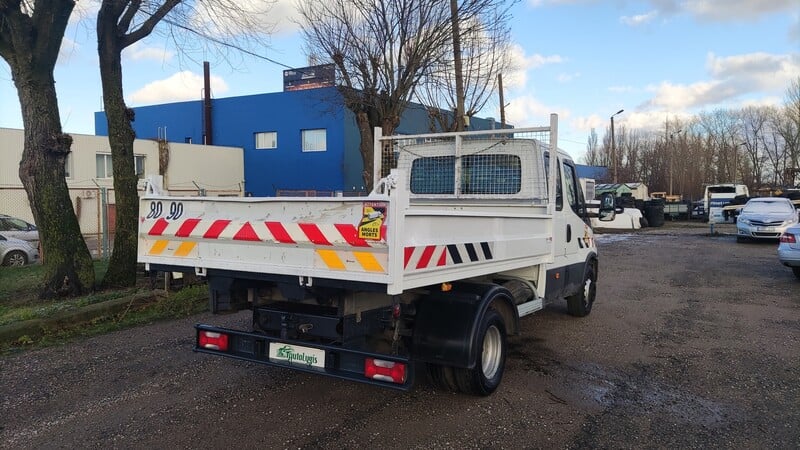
(721, 190)
(768, 207)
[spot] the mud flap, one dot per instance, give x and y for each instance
(447, 322)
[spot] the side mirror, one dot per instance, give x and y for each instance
(607, 208)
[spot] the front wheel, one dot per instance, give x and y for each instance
(580, 304)
(15, 258)
(485, 377)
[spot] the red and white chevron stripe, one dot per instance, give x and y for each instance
(334, 235)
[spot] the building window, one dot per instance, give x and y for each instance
(315, 140)
(106, 170)
(138, 164)
(266, 139)
(68, 166)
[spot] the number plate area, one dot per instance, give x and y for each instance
(296, 355)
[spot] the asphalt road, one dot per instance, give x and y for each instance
(694, 342)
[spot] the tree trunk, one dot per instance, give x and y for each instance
(67, 262)
(122, 266)
(367, 151)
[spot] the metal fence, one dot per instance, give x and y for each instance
(482, 164)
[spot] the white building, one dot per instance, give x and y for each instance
(190, 170)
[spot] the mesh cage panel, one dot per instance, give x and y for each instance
(497, 164)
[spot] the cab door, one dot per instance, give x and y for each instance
(574, 225)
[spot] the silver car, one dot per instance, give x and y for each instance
(16, 252)
(789, 249)
(765, 218)
(13, 227)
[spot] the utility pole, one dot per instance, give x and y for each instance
(457, 66)
(671, 157)
(502, 102)
(613, 146)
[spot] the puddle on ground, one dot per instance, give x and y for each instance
(647, 396)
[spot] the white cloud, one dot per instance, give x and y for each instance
(181, 86)
(732, 78)
(638, 20)
(537, 3)
(67, 50)
(706, 10)
(648, 120)
(586, 124)
(84, 9)
(519, 76)
(730, 10)
(138, 52)
(527, 111)
(254, 16)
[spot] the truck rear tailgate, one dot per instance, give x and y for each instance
(333, 238)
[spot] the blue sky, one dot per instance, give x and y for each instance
(582, 59)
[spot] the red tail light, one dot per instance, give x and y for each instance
(213, 341)
(378, 369)
(788, 238)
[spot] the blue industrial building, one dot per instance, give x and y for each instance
(292, 140)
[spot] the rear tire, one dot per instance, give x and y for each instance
(442, 377)
(580, 304)
(15, 258)
(796, 271)
(484, 378)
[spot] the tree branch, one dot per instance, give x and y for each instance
(147, 27)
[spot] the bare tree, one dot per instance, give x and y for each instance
(30, 38)
(592, 155)
(484, 42)
(381, 51)
(788, 126)
(120, 24)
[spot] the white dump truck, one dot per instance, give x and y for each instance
(461, 237)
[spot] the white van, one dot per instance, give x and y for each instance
(717, 196)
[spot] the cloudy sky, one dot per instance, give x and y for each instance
(582, 59)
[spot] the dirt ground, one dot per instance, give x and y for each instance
(694, 342)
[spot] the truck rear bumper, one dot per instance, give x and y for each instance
(329, 360)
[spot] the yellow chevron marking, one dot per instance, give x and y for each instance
(158, 247)
(368, 262)
(331, 259)
(185, 248)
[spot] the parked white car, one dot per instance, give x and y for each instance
(789, 249)
(16, 252)
(12, 227)
(765, 218)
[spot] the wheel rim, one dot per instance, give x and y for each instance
(587, 290)
(16, 259)
(492, 352)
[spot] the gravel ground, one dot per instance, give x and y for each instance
(693, 343)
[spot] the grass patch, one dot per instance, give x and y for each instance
(186, 302)
(19, 302)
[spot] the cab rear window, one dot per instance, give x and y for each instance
(488, 174)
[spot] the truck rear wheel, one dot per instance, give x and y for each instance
(485, 376)
(580, 304)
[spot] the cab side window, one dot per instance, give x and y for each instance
(559, 191)
(572, 187)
